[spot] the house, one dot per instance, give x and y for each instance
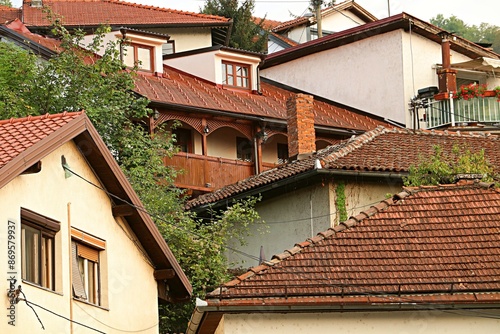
(186, 30)
(311, 194)
(385, 65)
(82, 253)
(228, 122)
(425, 260)
(335, 18)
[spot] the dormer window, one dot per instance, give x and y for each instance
(236, 75)
(142, 55)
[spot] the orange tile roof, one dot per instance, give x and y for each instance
(389, 150)
(9, 13)
(115, 12)
(179, 88)
(425, 245)
(18, 134)
(50, 43)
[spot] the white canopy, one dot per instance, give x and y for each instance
(482, 64)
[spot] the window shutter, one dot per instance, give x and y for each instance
(88, 253)
(78, 286)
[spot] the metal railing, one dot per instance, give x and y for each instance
(476, 110)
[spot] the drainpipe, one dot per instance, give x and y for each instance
(257, 172)
(452, 110)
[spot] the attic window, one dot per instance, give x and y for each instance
(142, 55)
(235, 75)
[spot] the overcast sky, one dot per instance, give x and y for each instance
(471, 11)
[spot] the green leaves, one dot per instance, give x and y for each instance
(442, 169)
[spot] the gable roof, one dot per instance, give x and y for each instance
(348, 5)
(115, 12)
(424, 246)
(382, 152)
(396, 22)
(25, 141)
(179, 90)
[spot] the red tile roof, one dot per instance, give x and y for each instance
(115, 12)
(389, 150)
(8, 13)
(429, 244)
(18, 134)
(50, 43)
(179, 88)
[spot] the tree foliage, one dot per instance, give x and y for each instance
(246, 33)
(441, 169)
(76, 80)
(6, 3)
(484, 33)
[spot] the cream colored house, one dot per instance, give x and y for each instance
(423, 261)
(382, 65)
(80, 255)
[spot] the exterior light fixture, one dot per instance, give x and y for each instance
(65, 166)
(206, 129)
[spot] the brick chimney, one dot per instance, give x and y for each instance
(300, 126)
(447, 77)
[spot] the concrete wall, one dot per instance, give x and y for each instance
(129, 296)
(186, 39)
(394, 322)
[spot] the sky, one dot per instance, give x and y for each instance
(472, 12)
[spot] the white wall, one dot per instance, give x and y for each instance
(130, 291)
(394, 322)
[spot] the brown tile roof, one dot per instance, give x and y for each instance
(8, 13)
(389, 150)
(399, 21)
(429, 244)
(50, 43)
(18, 134)
(180, 88)
(115, 12)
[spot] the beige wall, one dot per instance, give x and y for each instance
(130, 293)
(394, 322)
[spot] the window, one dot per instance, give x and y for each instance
(37, 243)
(86, 275)
(243, 149)
(142, 55)
(282, 153)
(168, 48)
(236, 75)
(183, 139)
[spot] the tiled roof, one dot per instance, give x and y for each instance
(115, 12)
(424, 245)
(18, 134)
(9, 13)
(50, 43)
(179, 88)
(390, 150)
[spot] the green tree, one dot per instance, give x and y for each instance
(246, 33)
(6, 3)
(484, 33)
(441, 169)
(76, 80)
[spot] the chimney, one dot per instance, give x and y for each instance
(447, 76)
(300, 126)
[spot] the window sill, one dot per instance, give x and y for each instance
(42, 288)
(86, 302)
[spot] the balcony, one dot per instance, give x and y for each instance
(476, 110)
(206, 173)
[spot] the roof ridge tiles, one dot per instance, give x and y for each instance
(31, 118)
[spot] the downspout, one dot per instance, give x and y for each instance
(257, 172)
(70, 271)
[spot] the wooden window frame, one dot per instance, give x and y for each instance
(41, 252)
(86, 257)
(135, 47)
(226, 75)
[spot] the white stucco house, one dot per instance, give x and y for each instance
(423, 261)
(382, 65)
(80, 253)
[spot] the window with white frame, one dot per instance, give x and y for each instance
(37, 242)
(86, 270)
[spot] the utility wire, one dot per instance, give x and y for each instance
(31, 307)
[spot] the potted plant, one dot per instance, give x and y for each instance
(497, 93)
(470, 91)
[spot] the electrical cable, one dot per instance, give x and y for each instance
(28, 303)
(54, 313)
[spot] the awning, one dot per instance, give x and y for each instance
(482, 64)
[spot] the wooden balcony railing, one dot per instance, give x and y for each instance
(207, 173)
(476, 110)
